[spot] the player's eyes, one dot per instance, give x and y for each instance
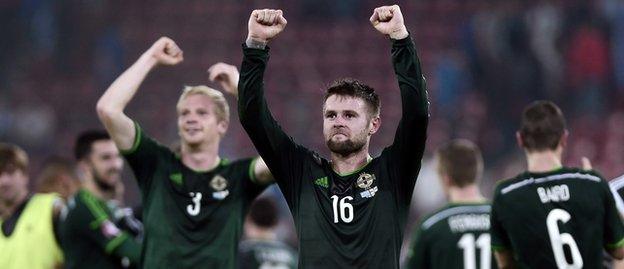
(330, 115)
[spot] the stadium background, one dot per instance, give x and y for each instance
(484, 61)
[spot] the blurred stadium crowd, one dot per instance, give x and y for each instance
(484, 61)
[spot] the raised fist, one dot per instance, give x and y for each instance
(227, 75)
(388, 20)
(265, 24)
(165, 52)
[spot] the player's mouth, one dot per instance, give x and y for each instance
(339, 135)
(192, 131)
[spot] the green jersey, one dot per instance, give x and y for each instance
(353, 220)
(558, 219)
(192, 219)
(89, 237)
(454, 237)
(264, 254)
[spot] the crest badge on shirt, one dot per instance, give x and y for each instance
(365, 181)
(219, 184)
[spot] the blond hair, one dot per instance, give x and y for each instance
(12, 158)
(221, 107)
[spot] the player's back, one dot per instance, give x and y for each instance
(456, 236)
(262, 254)
(558, 219)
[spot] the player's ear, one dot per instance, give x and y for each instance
(563, 141)
(375, 123)
(222, 127)
(519, 140)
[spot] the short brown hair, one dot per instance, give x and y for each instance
(543, 125)
(263, 213)
(354, 88)
(54, 169)
(461, 161)
(12, 158)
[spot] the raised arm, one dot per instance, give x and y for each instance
(227, 75)
(281, 154)
(110, 107)
(409, 141)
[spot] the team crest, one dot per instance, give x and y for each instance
(218, 183)
(365, 181)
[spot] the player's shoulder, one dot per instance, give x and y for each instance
(439, 217)
(563, 174)
(617, 183)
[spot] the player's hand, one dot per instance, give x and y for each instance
(227, 75)
(388, 20)
(586, 164)
(265, 24)
(166, 52)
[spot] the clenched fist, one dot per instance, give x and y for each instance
(227, 75)
(264, 25)
(388, 20)
(165, 51)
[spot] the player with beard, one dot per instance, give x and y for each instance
(194, 202)
(90, 233)
(350, 210)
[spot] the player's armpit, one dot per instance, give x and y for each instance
(504, 259)
(261, 172)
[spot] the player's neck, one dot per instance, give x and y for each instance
(90, 186)
(467, 194)
(262, 234)
(204, 157)
(543, 161)
(9, 207)
(345, 164)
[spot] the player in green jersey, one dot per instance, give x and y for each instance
(552, 216)
(350, 209)
(261, 249)
(194, 202)
(90, 236)
(457, 235)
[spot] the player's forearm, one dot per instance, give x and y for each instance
(121, 91)
(414, 98)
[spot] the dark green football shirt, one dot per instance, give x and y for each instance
(556, 219)
(264, 254)
(353, 220)
(89, 237)
(192, 219)
(456, 236)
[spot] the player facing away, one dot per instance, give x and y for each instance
(458, 234)
(90, 234)
(194, 202)
(552, 216)
(29, 221)
(261, 249)
(349, 210)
